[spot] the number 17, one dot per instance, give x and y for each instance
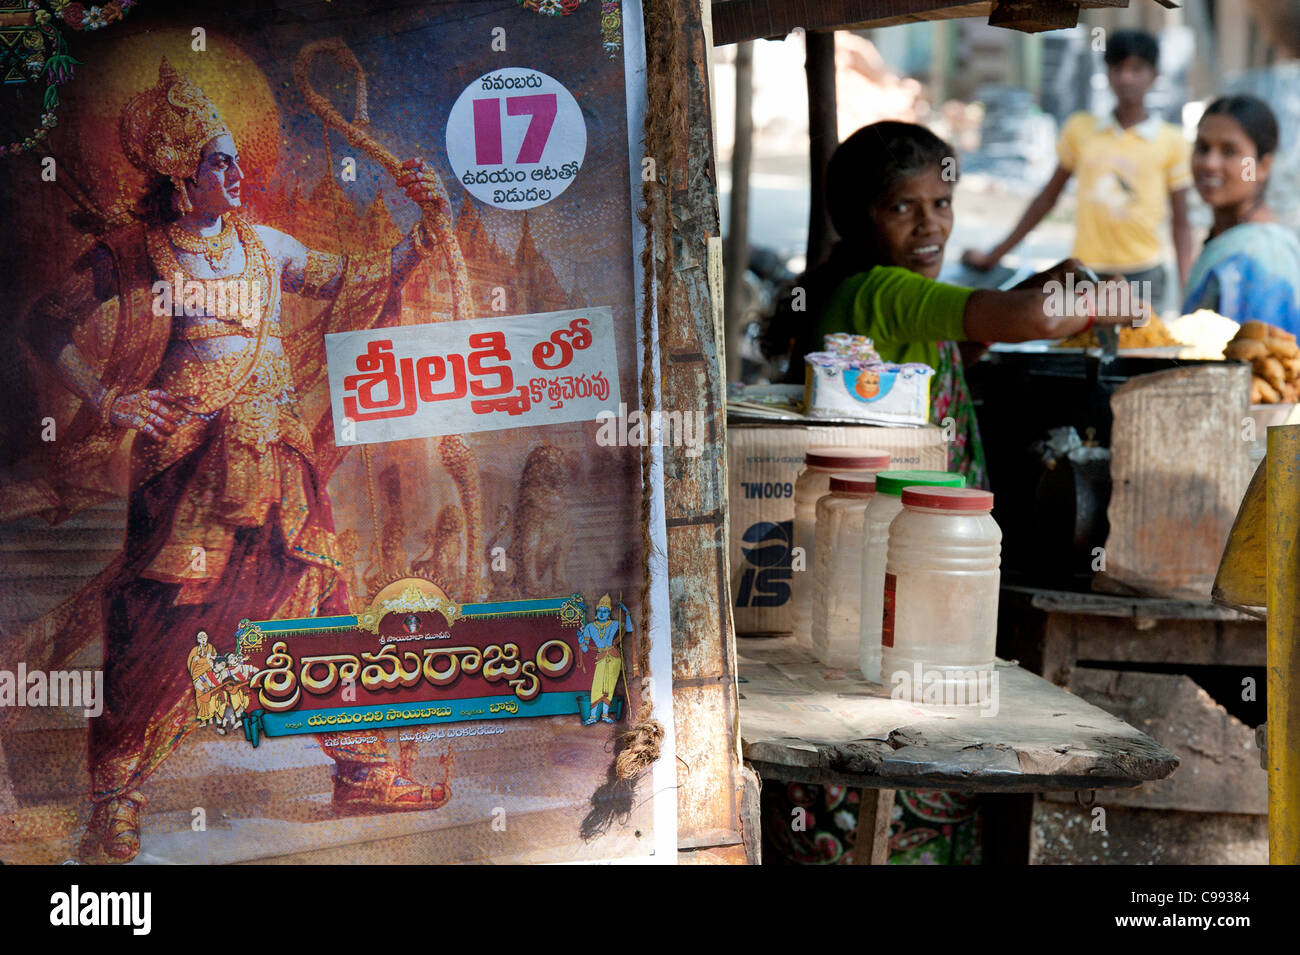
(540, 107)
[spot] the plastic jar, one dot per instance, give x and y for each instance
(941, 596)
(883, 508)
(837, 574)
(813, 483)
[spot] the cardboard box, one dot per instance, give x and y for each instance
(763, 462)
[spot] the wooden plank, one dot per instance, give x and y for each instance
(695, 489)
(1034, 16)
(802, 721)
(751, 815)
(1186, 643)
(1139, 608)
(1218, 762)
(1179, 470)
(872, 844)
(1050, 643)
(960, 12)
(738, 20)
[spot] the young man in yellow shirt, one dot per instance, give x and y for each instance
(1126, 163)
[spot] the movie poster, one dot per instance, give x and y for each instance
(316, 543)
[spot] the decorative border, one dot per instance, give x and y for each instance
(611, 19)
(42, 51)
(253, 633)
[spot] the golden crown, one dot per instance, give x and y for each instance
(164, 129)
(603, 602)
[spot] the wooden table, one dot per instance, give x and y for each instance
(801, 721)
(1188, 673)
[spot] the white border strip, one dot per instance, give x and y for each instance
(663, 780)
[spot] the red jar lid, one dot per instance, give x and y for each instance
(949, 498)
(852, 482)
(847, 459)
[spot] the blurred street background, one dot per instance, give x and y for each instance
(1000, 97)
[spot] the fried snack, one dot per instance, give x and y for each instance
(1154, 334)
(1280, 347)
(1262, 393)
(1246, 349)
(1271, 370)
(1274, 359)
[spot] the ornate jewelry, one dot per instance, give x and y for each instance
(106, 403)
(214, 248)
(258, 276)
(320, 269)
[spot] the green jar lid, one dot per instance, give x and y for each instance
(893, 482)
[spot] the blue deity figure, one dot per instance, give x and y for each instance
(605, 636)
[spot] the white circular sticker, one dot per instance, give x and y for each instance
(516, 138)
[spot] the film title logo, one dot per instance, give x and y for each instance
(482, 374)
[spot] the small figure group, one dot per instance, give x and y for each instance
(220, 685)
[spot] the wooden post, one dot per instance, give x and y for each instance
(872, 844)
(1231, 37)
(1031, 56)
(1283, 650)
(711, 787)
(941, 55)
(738, 225)
(823, 137)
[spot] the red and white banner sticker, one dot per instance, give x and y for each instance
(516, 138)
(485, 374)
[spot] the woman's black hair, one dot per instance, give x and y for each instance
(1253, 115)
(1125, 43)
(862, 171)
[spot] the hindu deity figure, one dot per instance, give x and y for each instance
(605, 636)
(236, 671)
(200, 663)
(228, 512)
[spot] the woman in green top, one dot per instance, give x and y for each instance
(889, 191)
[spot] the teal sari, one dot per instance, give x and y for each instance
(1250, 272)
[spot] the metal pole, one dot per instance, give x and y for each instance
(1283, 745)
(742, 151)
